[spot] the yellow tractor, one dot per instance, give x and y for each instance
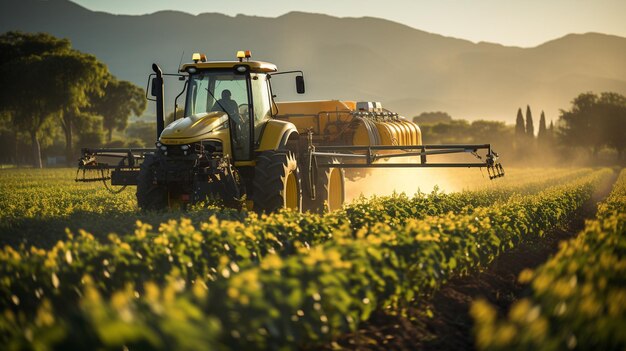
(238, 145)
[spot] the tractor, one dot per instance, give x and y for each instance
(237, 145)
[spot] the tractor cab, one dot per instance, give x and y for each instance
(227, 105)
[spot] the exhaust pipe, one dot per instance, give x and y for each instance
(157, 91)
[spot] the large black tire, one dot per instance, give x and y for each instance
(329, 190)
(276, 182)
(150, 196)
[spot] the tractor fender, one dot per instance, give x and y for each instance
(275, 135)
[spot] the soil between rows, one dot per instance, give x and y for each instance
(450, 328)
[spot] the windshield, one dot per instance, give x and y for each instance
(206, 87)
(223, 91)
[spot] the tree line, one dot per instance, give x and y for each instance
(47, 87)
(593, 123)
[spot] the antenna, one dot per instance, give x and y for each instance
(181, 60)
(176, 100)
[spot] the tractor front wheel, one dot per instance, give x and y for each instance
(150, 196)
(276, 182)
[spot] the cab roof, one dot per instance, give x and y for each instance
(253, 66)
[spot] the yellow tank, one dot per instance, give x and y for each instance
(366, 133)
(404, 137)
(414, 131)
(406, 132)
(335, 122)
(410, 134)
(317, 115)
(388, 136)
(411, 140)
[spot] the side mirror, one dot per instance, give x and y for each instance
(154, 91)
(300, 84)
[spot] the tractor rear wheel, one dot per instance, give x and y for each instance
(276, 182)
(329, 190)
(150, 196)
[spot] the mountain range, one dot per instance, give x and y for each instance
(367, 59)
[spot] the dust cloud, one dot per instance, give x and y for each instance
(386, 181)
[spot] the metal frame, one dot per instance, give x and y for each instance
(130, 155)
(366, 156)
(118, 174)
(154, 75)
(370, 155)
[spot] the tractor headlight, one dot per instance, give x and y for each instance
(163, 147)
(240, 69)
(185, 147)
(158, 144)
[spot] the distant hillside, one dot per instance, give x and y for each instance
(409, 70)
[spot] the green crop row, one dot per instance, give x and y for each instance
(37, 205)
(578, 298)
(53, 193)
(280, 302)
(397, 208)
(30, 273)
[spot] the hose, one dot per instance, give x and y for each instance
(372, 131)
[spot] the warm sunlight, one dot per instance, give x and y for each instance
(312, 175)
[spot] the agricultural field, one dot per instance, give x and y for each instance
(84, 269)
(578, 298)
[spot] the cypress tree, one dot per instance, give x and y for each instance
(530, 128)
(520, 129)
(542, 133)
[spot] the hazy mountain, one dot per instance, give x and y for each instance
(409, 70)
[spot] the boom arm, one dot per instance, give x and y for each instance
(117, 165)
(366, 157)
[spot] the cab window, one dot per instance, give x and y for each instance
(228, 92)
(262, 102)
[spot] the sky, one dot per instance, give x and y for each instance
(524, 23)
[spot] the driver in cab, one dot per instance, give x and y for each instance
(227, 105)
(230, 106)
